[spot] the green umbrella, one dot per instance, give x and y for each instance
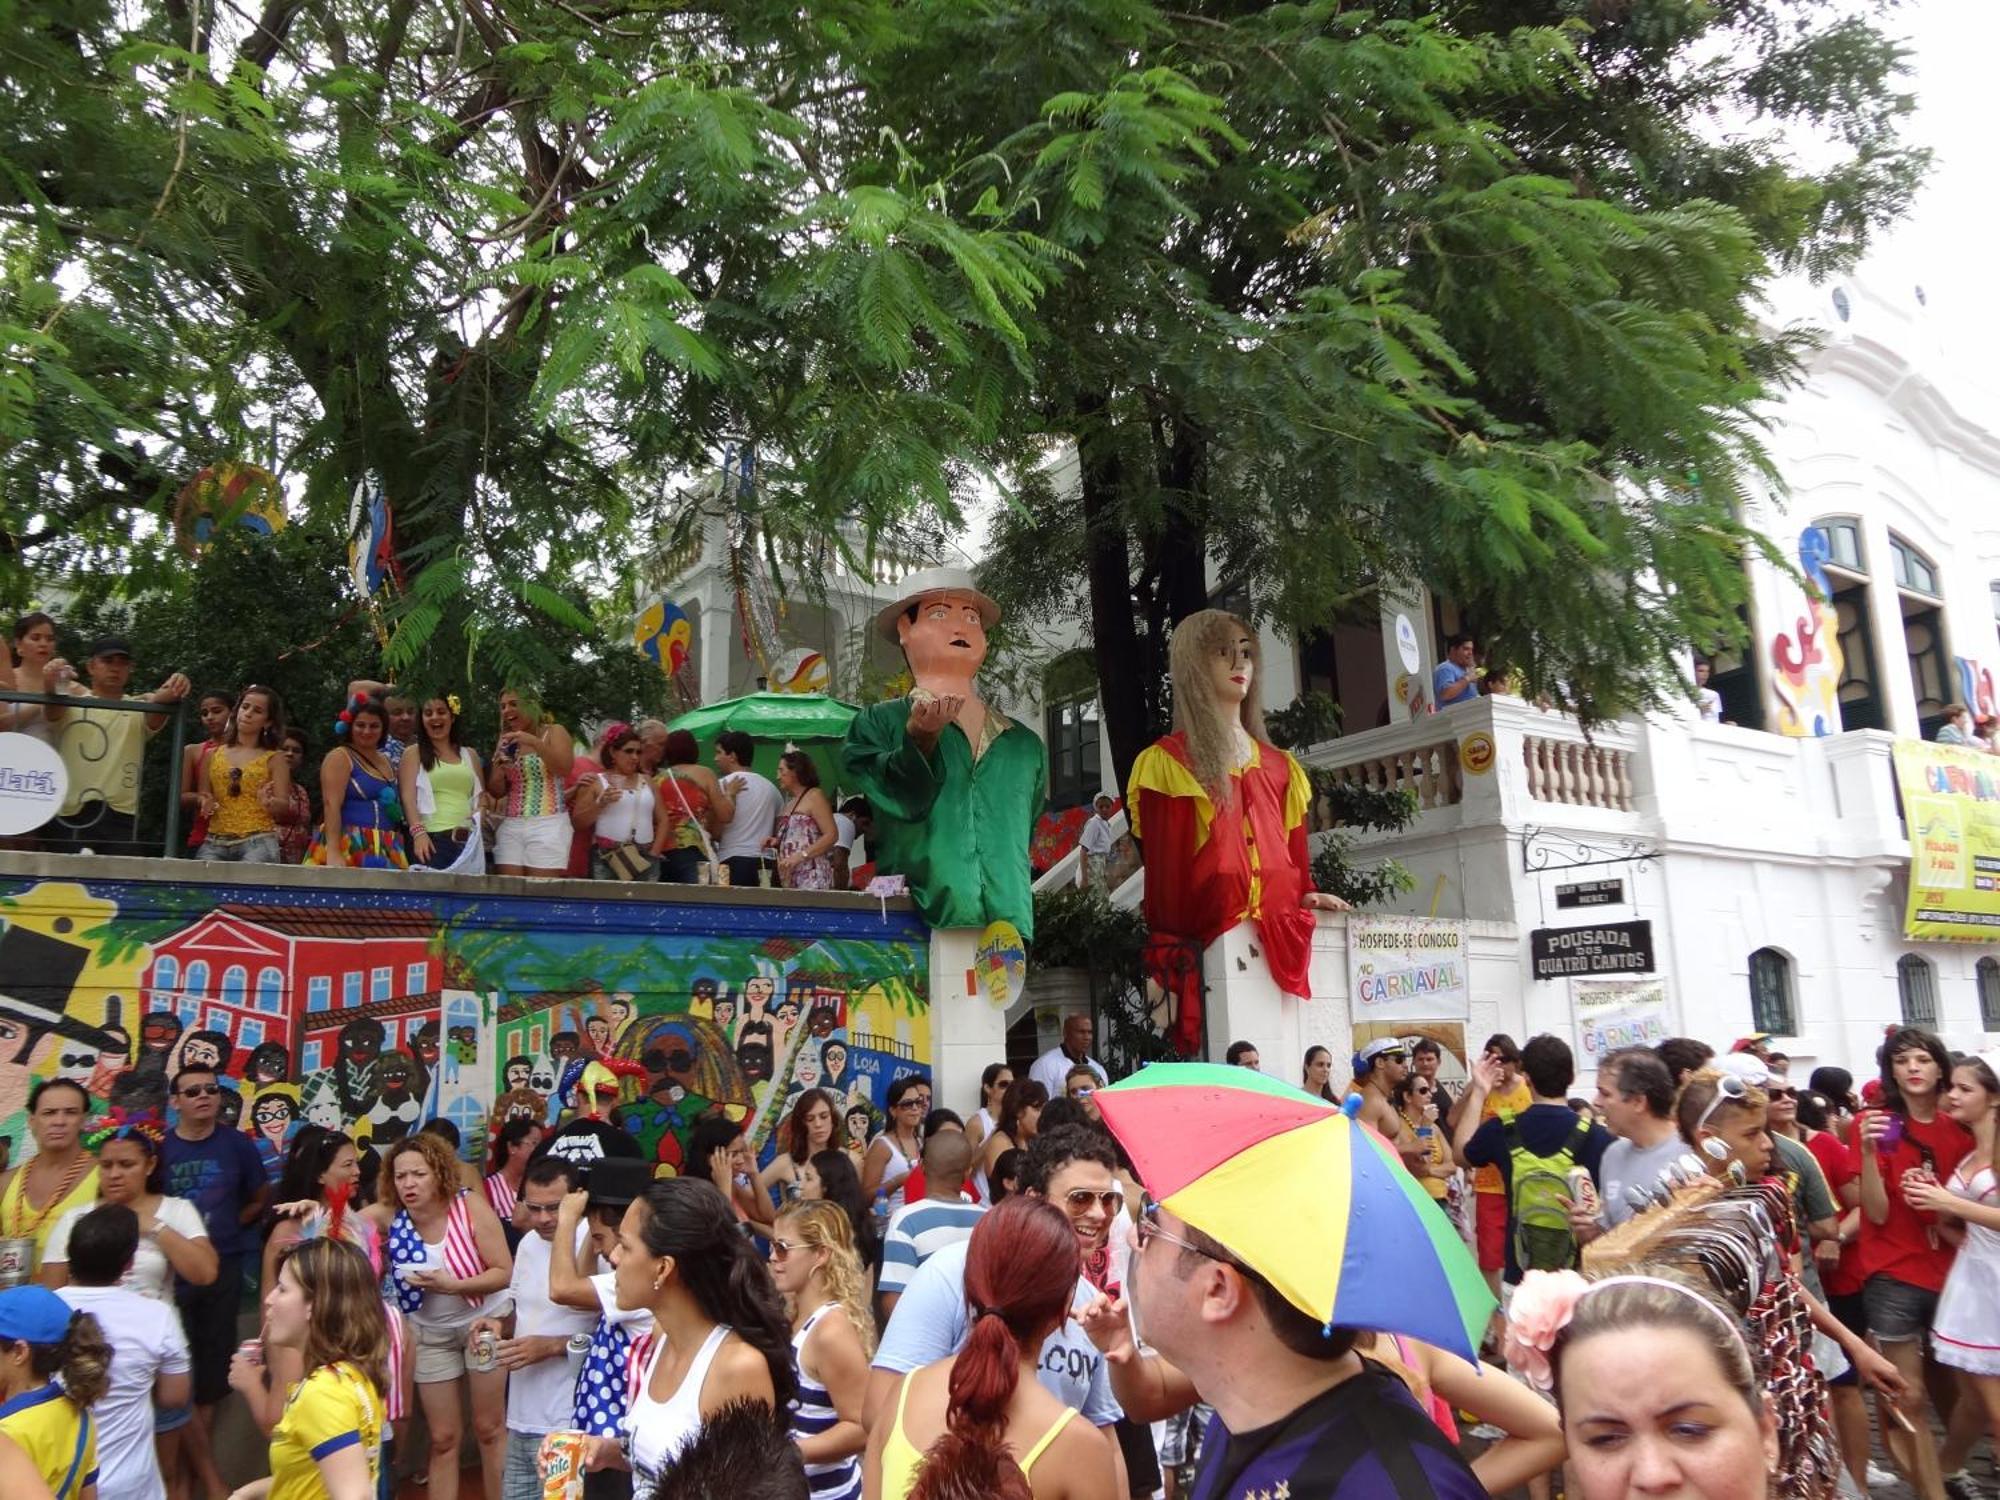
(812, 721)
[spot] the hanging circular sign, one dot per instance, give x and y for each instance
(1000, 964)
(1406, 643)
(227, 494)
(664, 632)
(33, 783)
(800, 670)
(1475, 753)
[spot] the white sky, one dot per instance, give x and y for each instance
(1947, 246)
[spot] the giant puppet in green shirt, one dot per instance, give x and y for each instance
(956, 786)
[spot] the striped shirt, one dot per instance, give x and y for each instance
(812, 1414)
(500, 1196)
(917, 1231)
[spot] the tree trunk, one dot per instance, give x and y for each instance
(1122, 661)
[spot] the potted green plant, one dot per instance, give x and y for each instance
(1077, 932)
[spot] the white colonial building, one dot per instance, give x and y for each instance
(1767, 852)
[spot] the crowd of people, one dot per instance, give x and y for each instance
(396, 786)
(991, 1304)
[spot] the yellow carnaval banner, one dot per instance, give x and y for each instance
(1951, 807)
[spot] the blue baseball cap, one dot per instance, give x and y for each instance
(33, 1314)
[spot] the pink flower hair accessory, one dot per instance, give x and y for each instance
(1539, 1311)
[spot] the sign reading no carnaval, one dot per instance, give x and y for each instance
(1951, 808)
(1407, 968)
(1615, 1013)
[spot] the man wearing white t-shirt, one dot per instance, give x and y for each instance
(601, 1395)
(544, 1348)
(149, 1353)
(740, 843)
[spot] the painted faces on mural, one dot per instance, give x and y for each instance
(271, 1117)
(71, 1059)
(563, 1047)
(518, 1071)
(395, 1076)
(823, 1020)
(269, 1063)
(621, 1010)
(788, 1013)
(159, 1031)
(542, 1076)
(360, 1041)
(755, 1048)
(599, 1031)
(860, 1120)
(833, 1062)
(425, 1044)
(204, 1049)
(757, 995)
(725, 1015)
(17, 1040)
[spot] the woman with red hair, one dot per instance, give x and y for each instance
(979, 1426)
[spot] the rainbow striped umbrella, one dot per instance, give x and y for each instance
(1305, 1195)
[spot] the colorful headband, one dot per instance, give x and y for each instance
(346, 716)
(116, 1123)
(1545, 1302)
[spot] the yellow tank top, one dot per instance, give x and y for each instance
(901, 1461)
(239, 807)
(20, 1221)
(451, 789)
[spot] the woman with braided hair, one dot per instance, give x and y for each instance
(979, 1425)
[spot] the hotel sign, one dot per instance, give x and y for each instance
(1592, 952)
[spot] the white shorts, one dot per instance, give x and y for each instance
(534, 843)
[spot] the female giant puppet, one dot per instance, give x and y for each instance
(1220, 813)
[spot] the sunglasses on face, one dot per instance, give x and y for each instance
(780, 1249)
(1080, 1200)
(1082, 1091)
(1149, 1230)
(200, 1090)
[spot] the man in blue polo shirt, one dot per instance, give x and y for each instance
(1452, 680)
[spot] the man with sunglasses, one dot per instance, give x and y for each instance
(1378, 1068)
(1297, 1413)
(220, 1173)
(1072, 1167)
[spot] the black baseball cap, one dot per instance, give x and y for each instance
(111, 645)
(615, 1181)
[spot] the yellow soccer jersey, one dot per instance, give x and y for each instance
(333, 1408)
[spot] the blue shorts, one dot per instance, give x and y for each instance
(172, 1421)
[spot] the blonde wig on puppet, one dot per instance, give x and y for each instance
(1198, 712)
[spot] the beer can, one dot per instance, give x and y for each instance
(17, 1262)
(721, 873)
(704, 873)
(1582, 1191)
(560, 1459)
(485, 1352)
(252, 1350)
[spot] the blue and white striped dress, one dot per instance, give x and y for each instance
(812, 1414)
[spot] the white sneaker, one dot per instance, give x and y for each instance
(1486, 1432)
(1881, 1478)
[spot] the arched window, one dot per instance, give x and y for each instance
(235, 984)
(270, 989)
(1916, 982)
(166, 974)
(197, 978)
(1773, 1005)
(1914, 571)
(1932, 680)
(1987, 971)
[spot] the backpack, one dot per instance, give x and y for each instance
(1537, 1188)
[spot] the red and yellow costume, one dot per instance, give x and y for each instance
(1204, 874)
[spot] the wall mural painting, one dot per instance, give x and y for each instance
(374, 1012)
(1807, 661)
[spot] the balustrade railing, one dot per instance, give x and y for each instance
(1430, 771)
(1578, 773)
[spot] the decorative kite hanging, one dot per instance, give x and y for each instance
(664, 632)
(371, 548)
(227, 494)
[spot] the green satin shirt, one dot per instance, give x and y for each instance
(957, 828)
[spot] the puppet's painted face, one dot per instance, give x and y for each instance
(947, 639)
(542, 1076)
(518, 1071)
(360, 1044)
